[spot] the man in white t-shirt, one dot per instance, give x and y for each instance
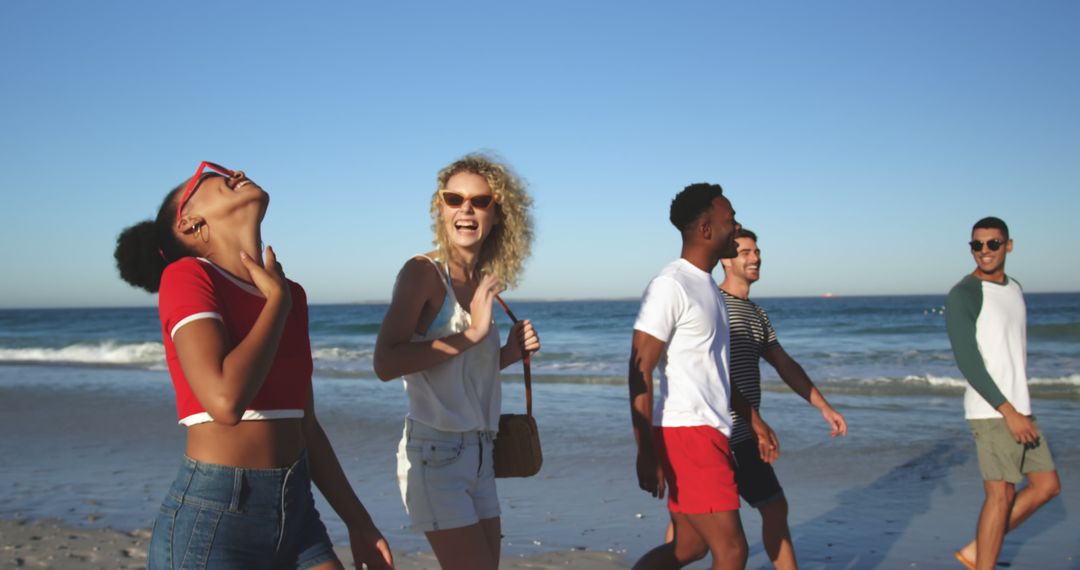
(682, 332)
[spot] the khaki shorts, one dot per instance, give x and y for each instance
(1001, 458)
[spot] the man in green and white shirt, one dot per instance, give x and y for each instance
(986, 319)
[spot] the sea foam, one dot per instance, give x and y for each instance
(105, 353)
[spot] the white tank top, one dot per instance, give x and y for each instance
(463, 393)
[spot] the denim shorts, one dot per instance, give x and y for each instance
(447, 479)
(216, 516)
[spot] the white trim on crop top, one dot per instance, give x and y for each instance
(249, 415)
(246, 287)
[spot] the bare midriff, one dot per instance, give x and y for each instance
(258, 444)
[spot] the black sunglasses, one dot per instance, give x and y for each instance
(994, 244)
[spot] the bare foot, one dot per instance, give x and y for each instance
(968, 563)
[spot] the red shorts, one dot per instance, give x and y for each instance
(698, 469)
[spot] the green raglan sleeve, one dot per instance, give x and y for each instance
(962, 308)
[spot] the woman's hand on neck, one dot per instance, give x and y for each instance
(224, 250)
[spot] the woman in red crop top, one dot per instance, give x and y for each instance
(236, 342)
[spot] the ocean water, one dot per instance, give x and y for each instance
(859, 345)
(90, 434)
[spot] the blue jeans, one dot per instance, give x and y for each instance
(216, 516)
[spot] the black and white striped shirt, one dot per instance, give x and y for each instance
(751, 335)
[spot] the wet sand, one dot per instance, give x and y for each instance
(51, 544)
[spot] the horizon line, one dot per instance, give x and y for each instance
(826, 296)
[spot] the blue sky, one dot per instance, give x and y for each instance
(859, 139)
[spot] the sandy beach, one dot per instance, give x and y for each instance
(96, 449)
(51, 544)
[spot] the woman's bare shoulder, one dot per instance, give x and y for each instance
(421, 274)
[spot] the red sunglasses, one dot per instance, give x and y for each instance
(195, 182)
(455, 200)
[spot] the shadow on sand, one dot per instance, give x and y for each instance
(1046, 518)
(851, 533)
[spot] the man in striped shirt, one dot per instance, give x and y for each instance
(753, 338)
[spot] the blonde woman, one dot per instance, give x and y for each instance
(440, 335)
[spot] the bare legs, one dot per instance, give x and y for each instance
(697, 535)
(473, 547)
(993, 520)
(1003, 504)
(776, 536)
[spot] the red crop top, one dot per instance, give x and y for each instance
(194, 288)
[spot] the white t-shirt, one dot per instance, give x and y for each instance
(684, 308)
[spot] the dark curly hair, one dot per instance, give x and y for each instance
(692, 202)
(146, 248)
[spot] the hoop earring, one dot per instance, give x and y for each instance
(204, 237)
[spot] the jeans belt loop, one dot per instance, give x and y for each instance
(238, 486)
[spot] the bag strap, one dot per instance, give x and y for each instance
(524, 361)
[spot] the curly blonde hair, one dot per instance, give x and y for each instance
(508, 246)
